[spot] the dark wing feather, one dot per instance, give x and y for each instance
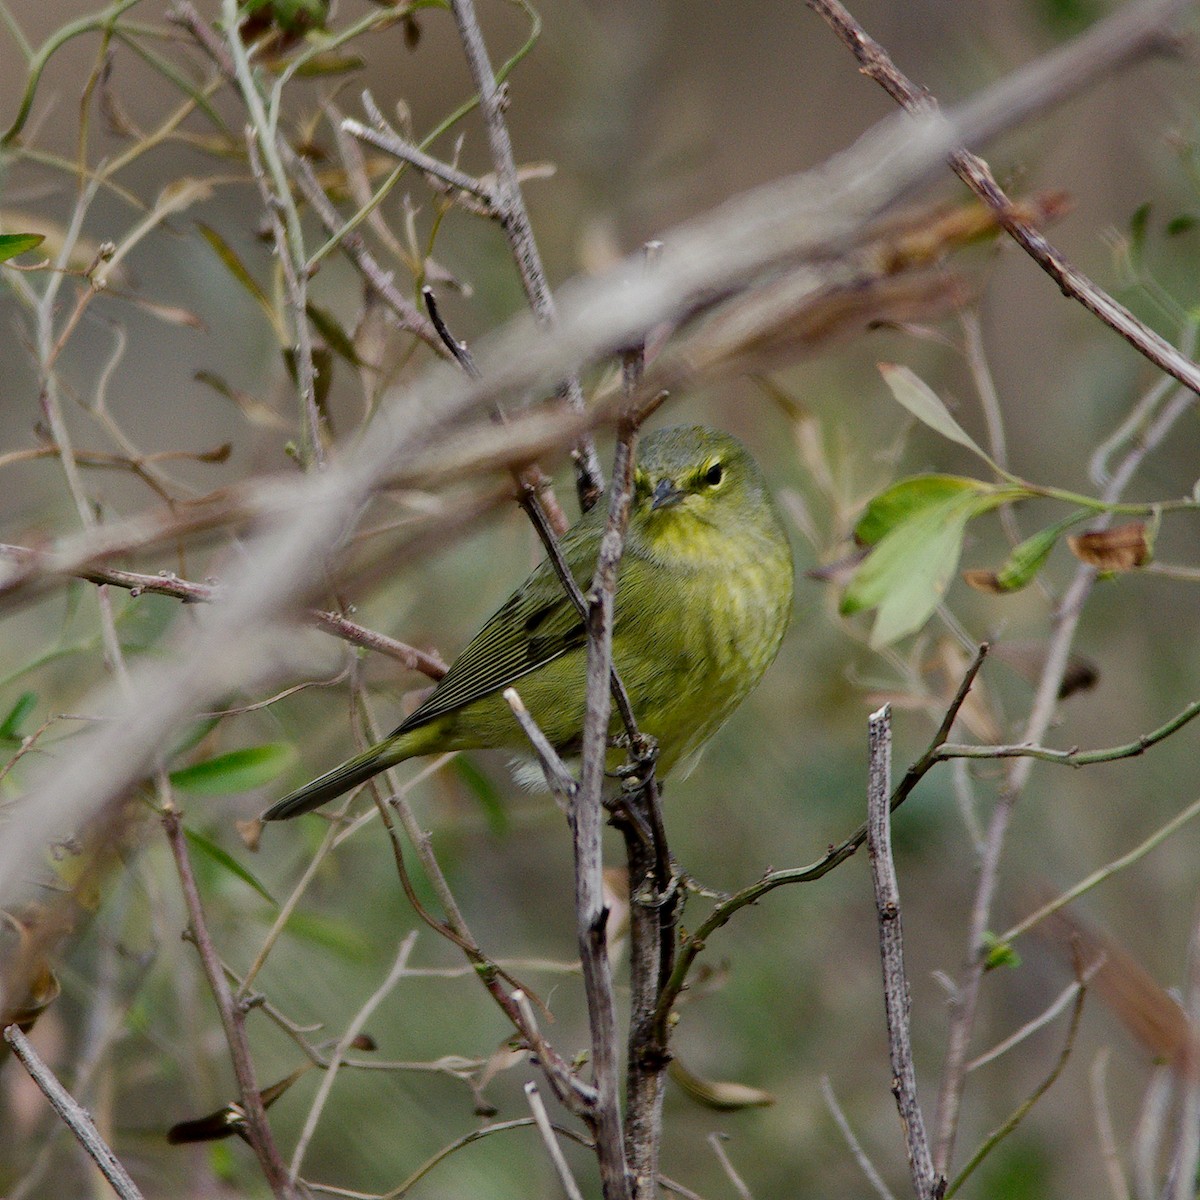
(535, 625)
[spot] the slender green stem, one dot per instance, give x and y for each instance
(198, 95)
(18, 34)
(1102, 873)
(1075, 757)
(1022, 1110)
(104, 20)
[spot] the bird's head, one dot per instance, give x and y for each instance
(691, 483)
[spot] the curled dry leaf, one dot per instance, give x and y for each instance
(1028, 659)
(28, 985)
(1121, 548)
(1148, 1012)
(723, 1095)
(925, 236)
(250, 832)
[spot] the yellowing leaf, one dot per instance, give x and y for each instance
(723, 1095)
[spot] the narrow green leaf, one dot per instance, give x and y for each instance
(238, 269)
(1027, 559)
(10, 728)
(12, 244)
(329, 64)
(238, 771)
(336, 338)
(905, 499)
(922, 401)
(484, 791)
(334, 934)
(1180, 224)
(226, 861)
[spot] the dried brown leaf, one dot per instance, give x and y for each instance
(1148, 1012)
(1121, 548)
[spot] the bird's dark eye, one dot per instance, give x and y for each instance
(714, 475)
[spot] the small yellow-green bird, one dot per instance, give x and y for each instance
(703, 599)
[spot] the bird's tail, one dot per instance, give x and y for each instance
(333, 783)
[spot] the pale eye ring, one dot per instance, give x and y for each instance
(714, 475)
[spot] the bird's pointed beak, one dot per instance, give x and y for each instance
(665, 494)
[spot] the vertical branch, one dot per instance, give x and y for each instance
(651, 913)
(233, 1018)
(281, 209)
(926, 1184)
(586, 825)
(514, 220)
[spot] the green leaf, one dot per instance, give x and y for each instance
(237, 771)
(906, 574)
(227, 862)
(238, 269)
(484, 791)
(1026, 560)
(329, 64)
(12, 244)
(1180, 224)
(905, 499)
(10, 728)
(922, 401)
(336, 338)
(331, 932)
(998, 953)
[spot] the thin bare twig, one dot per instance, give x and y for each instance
(927, 1184)
(74, 1115)
(191, 592)
(561, 782)
(739, 1184)
(553, 1149)
(586, 825)
(233, 1019)
(1098, 1079)
(1022, 1110)
(389, 141)
(514, 221)
(1043, 1019)
(1133, 32)
(860, 1155)
(399, 967)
